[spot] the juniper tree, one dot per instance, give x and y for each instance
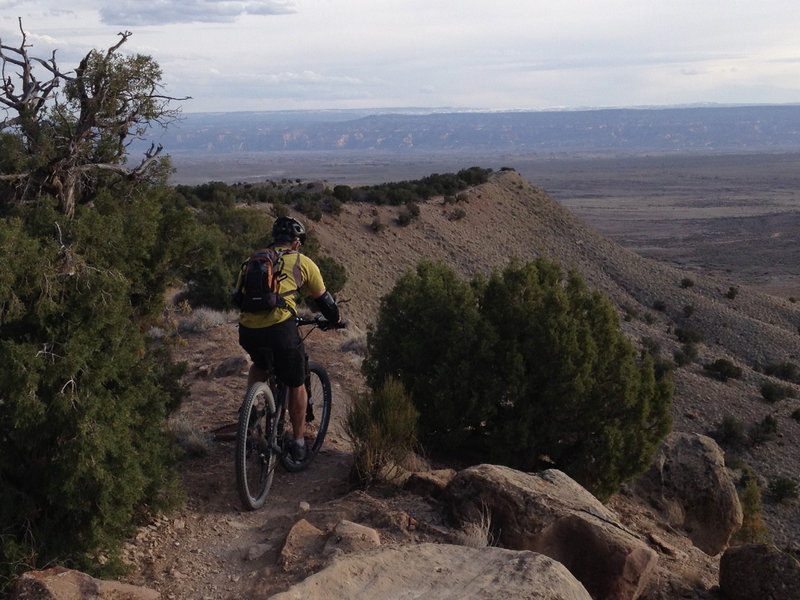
(528, 368)
(87, 247)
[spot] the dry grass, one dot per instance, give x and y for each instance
(382, 428)
(189, 437)
(355, 342)
(477, 534)
(202, 319)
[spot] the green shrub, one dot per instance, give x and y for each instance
(764, 431)
(661, 366)
(796, 414)
(688, 336)
(382, 427)
(782, 489)
(723, 369)
(309, 205)
(457, 214)
(85, 392)
(446, 185)
(538, 372)
(686, 282)
(753, 529)
(377, 226)
(659, 305)
(786, 370)
(404, 218)
(688, 311)
(409, 212)
(651, 346)
(474, 175)
(732, 292)
(772, 392)
(630, 313)
(343, 193)
(685, 354)
(730, 432)
(333, 205)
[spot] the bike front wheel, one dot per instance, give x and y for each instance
(255, 446)
(318, 416)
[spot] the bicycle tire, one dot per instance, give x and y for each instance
(255, 446)
(318, 386)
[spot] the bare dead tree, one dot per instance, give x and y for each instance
(75, 124)
(34, 93)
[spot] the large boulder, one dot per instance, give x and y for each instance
(60, 583)
(759, 571)
(440, 571)
(551, 514)
(689, 484)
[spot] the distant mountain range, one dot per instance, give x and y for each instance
(769, 128)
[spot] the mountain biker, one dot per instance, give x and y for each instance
(275, 332)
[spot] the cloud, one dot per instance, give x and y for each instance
(785, 59)
(308, 77)
(166, 12)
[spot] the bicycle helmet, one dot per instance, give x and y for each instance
(288, 229)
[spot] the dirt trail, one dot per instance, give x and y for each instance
(212, 548)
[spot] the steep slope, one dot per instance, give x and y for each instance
(508, 217)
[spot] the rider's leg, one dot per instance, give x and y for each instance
(297, 410)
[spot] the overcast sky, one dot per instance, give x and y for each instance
(463, 54)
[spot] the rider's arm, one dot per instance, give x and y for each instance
(315, 287)
(327, 306)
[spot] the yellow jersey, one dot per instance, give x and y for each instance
(301, 274)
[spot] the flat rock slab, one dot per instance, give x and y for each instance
(440, 572)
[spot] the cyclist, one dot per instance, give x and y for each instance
(275, 332)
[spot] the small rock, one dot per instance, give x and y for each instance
(257, 551)
(662, 545)
(350, 537)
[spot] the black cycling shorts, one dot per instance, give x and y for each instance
(279, 345)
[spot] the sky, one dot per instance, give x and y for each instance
(265, 55)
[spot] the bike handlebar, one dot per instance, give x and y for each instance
(321, 322)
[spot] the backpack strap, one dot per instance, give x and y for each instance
(297, 276)
(297, 273)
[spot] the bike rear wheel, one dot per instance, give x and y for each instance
(255, 444)
(318, 416)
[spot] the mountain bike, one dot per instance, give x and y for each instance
(264, 431)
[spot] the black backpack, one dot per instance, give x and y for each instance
(261, 277)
